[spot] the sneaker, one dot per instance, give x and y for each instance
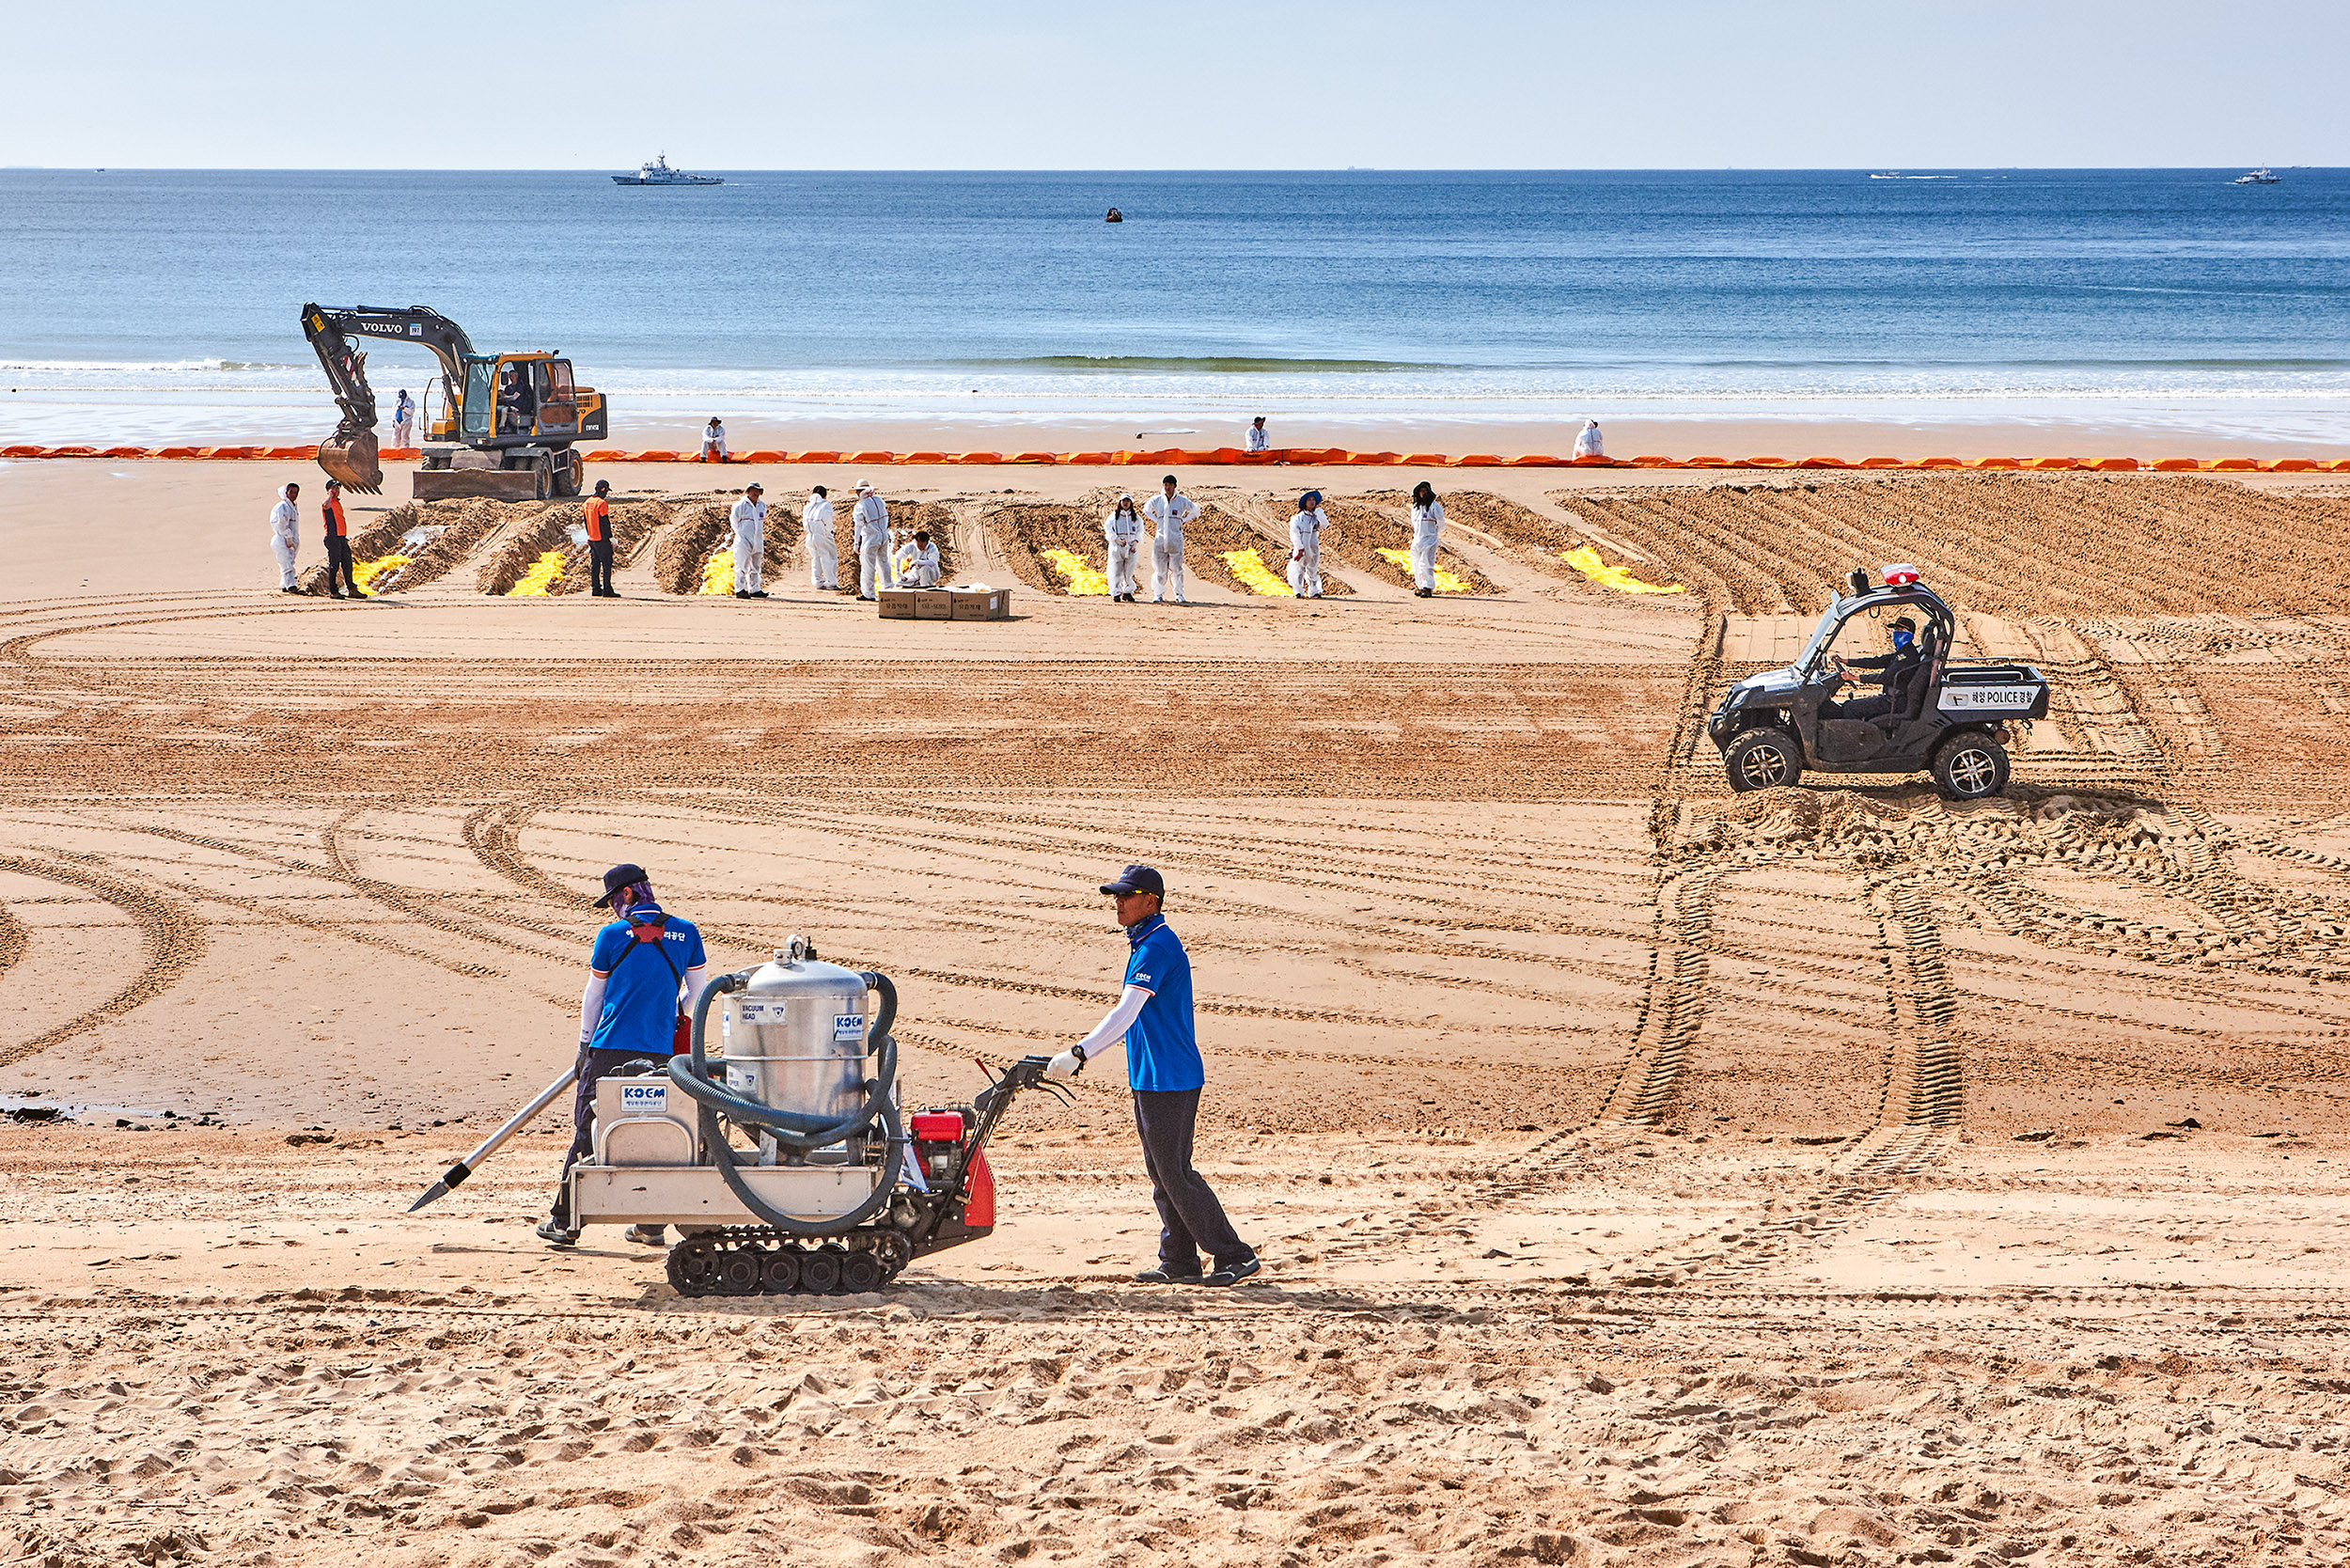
(1180, 599)
(647, 1235)
(759, 593)
(289, 590)
(1232, 1274)
(1162, 1276)
(552, 1232)
(740, 594)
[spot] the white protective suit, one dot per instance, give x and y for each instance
(917, 564)
(871, 538)
(1169, 515)
(824, 560)
(1427, 531)
(714, 443)
(1305, 552)
(1259, 440)
(285, 532)
(403, 416)
(750, 543)
(1123, 532)
(1588, 444)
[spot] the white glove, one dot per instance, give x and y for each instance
(1066, 1065)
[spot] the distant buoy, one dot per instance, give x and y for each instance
(1115, 217)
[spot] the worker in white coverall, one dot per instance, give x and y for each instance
(1427, 530)
(1588, 444)
(1259, 438)
(916, 561)
(403, 420)
(1306, 530)
(1122, 531)
(750, 542)
(285, 532)
(714, 441)
(1168, 513)
(871, 520)
(823, 560)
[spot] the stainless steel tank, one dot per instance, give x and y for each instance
(794, 1041)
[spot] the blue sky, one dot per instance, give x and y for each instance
(723, 84)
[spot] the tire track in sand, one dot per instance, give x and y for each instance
(173, 935)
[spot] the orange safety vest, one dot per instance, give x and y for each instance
(598, 512)
(332, 513)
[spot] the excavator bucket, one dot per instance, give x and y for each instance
(353, 460)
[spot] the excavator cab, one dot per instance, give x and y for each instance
(518, 398)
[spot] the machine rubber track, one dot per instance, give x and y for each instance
(759, 1260)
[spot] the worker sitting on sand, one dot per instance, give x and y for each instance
(1259, 437)
(285, 534)
(337, 529)
(916, 561)
(1588, 443)
(1121, 530)
(870, 522)
(1897, 672)
(628, 1010)
(714, 442)
(824, 558)
(1152, 1020)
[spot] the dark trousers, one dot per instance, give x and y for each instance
(338, 561)
(592, 1066)
(599, 566)
(1192, 1220)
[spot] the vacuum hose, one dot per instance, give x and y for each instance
(797, 1129)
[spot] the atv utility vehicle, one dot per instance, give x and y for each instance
(1942, 715)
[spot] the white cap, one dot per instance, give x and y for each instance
(865, 484)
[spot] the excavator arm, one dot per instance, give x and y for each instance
(350, 453)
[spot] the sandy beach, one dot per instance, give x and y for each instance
(1645, 1174)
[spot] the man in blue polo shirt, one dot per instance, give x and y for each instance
(1152, 1019)
(644, 968)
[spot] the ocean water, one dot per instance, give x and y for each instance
(152, 305)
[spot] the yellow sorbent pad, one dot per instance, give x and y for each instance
(1081, 578)
(1447, 582)
(1585, 560)
(365, 572)
(719, 572)
(542, 576)
(1249, 568)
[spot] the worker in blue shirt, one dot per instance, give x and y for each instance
(645, 970)
(1152, 1020)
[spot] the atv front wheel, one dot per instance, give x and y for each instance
(1969, 767)
(1761, 759)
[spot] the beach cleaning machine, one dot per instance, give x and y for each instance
(839, 1189)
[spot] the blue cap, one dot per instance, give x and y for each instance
(1137, 879)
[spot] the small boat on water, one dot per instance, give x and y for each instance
(658, 172)
(2258, 177)
(1115, 217)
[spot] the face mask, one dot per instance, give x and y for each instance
(1901, 642)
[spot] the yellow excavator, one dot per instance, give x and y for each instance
(506, 423)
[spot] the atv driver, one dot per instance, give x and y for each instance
(1896, 672)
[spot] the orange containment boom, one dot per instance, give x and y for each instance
(1304, 456)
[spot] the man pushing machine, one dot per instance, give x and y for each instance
(1152, 1020)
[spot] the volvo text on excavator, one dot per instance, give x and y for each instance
(505, 425)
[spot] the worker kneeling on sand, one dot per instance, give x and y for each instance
(916, 561)
(628, 1010)
(1152, 1020)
